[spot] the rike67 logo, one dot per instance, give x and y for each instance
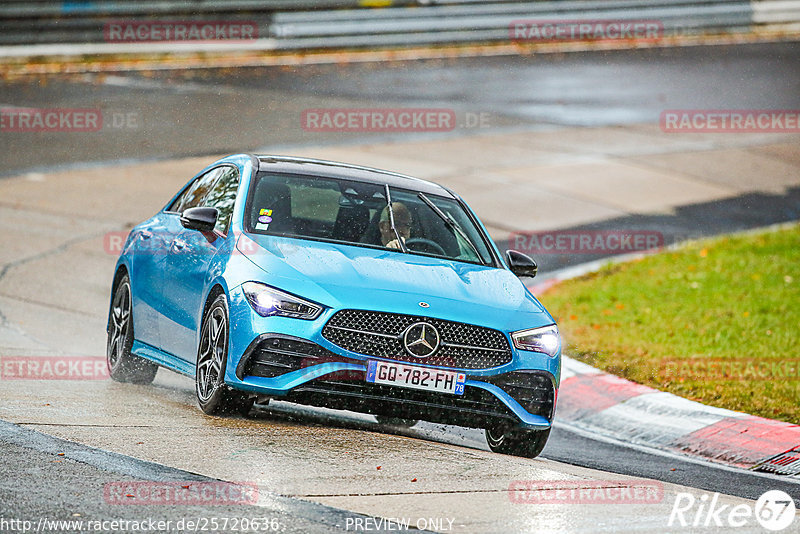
(774, 511)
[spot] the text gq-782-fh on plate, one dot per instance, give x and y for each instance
(411, 376)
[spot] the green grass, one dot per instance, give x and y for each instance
(717, 321)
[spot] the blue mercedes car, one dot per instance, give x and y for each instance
(340, 286)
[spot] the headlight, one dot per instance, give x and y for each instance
(544, 339)
(268, 301)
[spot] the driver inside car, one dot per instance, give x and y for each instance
(402, 222)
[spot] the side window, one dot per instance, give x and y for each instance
(223, 197)
(197, 191)
(314, 201)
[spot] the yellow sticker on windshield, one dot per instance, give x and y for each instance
(264, 218)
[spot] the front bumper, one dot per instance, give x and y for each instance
(295, 362)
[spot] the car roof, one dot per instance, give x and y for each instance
(333, 169)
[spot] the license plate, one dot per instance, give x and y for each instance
(411, 376)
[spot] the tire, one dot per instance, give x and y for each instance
(123, 366)
(396, 421)
(526, 443)
(213, 396)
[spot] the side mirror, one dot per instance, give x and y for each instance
(200, 219)
(521, 264)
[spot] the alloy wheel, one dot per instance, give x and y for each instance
(120, 324)
(211, 354)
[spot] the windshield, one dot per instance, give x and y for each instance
(358, 213)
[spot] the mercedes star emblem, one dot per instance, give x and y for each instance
(421, 339)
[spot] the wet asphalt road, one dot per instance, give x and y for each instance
(313, 456)
(173, 114)
(170, 115)
(73, 487)
(163, 115)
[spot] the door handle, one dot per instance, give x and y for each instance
(178, 244)
(146, 234)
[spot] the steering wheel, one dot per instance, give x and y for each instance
(432, 246)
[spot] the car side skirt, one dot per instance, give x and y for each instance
(163, 359)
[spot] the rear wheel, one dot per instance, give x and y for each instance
(213, 396)
(516, 442)
(123, 366)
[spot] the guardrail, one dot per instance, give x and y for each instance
(320, 24)
(491, 22)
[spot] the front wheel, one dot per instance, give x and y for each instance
(124, 366)
(516, 442)
(213, 396)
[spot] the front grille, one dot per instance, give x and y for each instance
(380, 334)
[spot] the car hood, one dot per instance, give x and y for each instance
(349, 276)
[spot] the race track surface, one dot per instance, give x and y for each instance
(532, 170)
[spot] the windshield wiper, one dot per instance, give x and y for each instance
(451, 224)
(391, 220)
